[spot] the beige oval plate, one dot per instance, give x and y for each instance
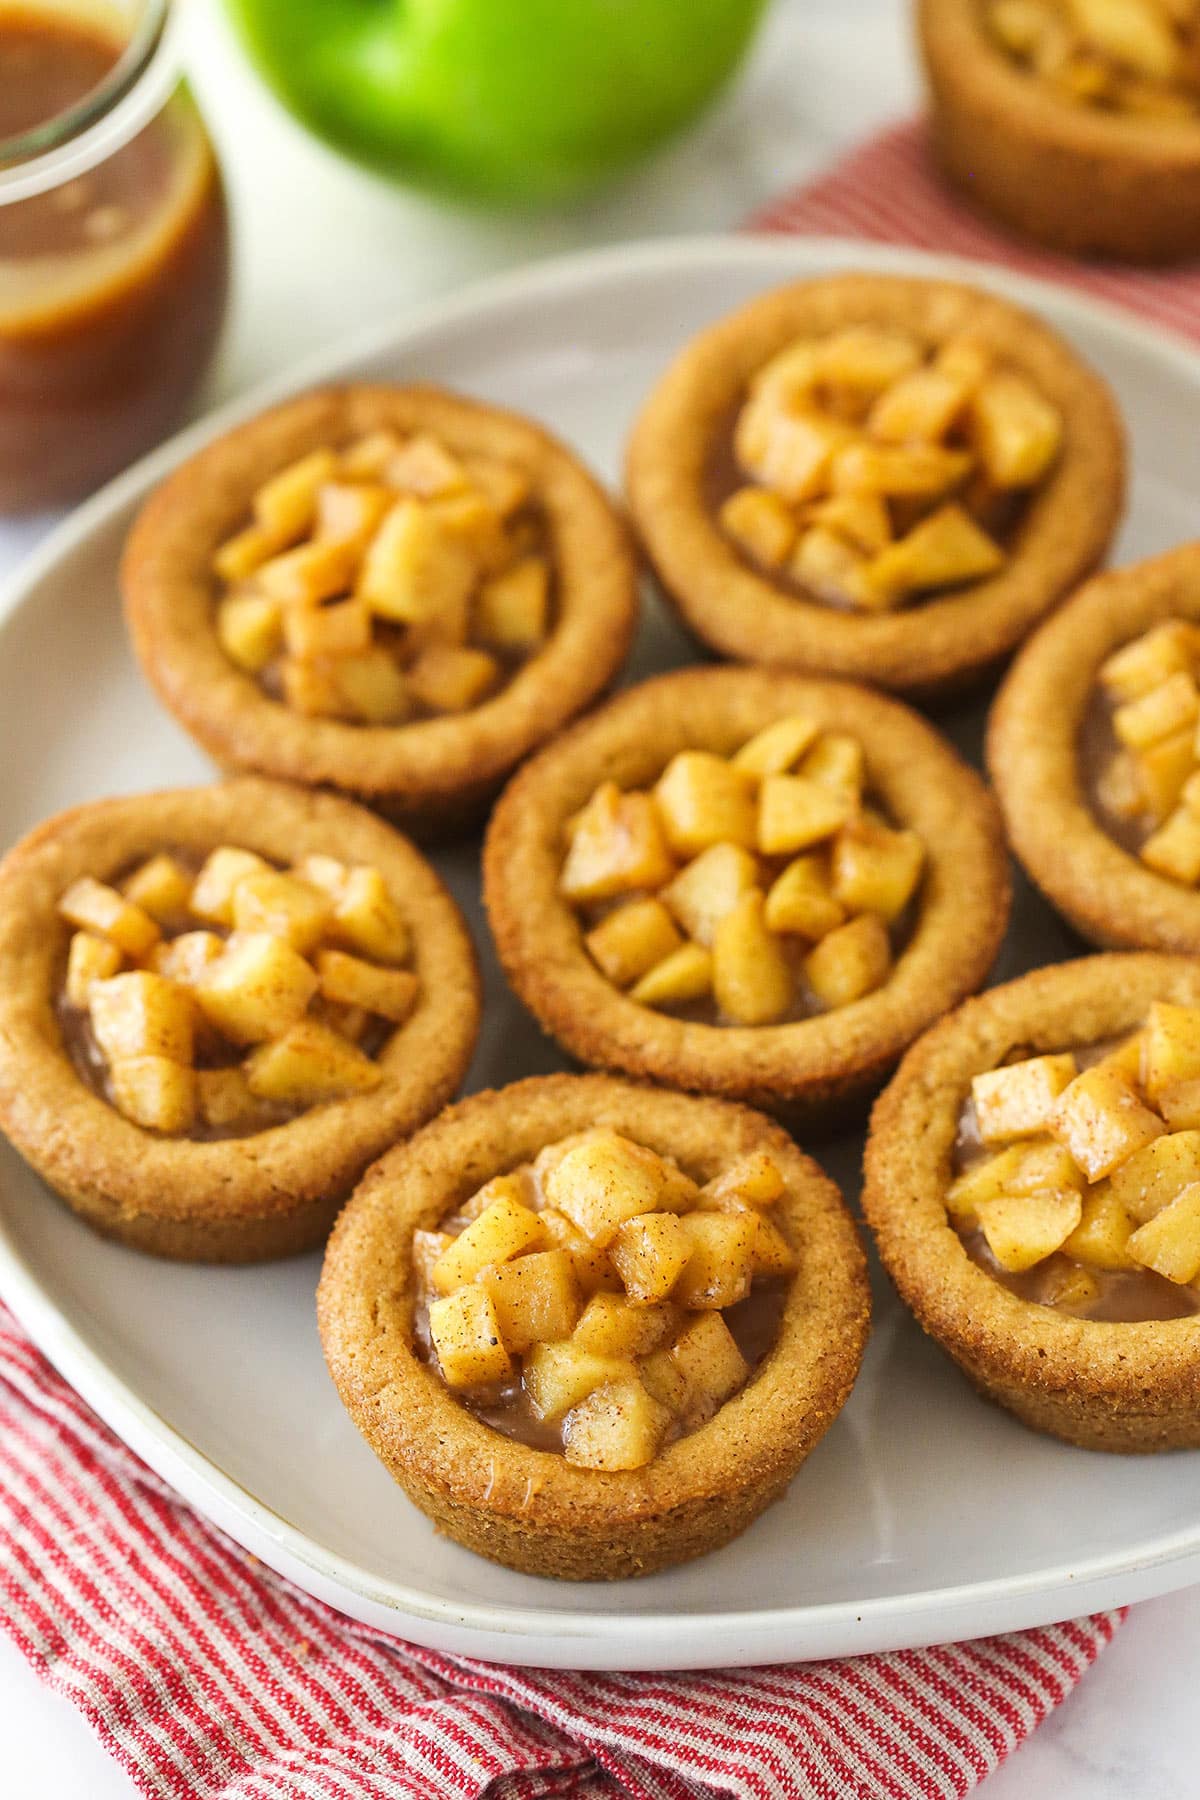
(925, 1514)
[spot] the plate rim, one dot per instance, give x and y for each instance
(573, 1636)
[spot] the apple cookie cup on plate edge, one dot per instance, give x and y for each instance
(1033, 1186)
(1092, 747)
(1079, 126)
(218, 1005)
(592, 1328)
(396, 593)
(880, 478)
(746, 883)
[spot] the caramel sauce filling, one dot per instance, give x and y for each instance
(387, 580)
(1137, 749)
(48, 63)
(506, 1406)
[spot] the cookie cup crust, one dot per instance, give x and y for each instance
(531, 1509)
(942, 643)
(794, 1069)
(432, 775)
(238, 1199)
(1073, 177)
(1104, 1386)
(1107, 894)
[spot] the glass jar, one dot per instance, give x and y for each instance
(114, 243)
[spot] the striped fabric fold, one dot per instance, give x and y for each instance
(209, 1677)
(887, 191)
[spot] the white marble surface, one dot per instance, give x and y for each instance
(323, 249)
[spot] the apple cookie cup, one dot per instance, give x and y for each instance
(1031, 1187)
(218, 1005)
(396, 593)
(883, 479)
(746, 883)
(1091, 745)
(1085, 146)
(632, 1485)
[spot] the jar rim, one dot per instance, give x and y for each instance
(132, 93)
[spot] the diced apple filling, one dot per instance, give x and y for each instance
(388, 576)
(1151, 774)
(228, 1030)
(1088, 1173)
(1135, 57)
(788, 884)
(587, 1291)
(876, 465)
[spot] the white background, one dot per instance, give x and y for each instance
(323, 249)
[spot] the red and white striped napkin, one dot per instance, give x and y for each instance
(211, 1678)
(888, 192)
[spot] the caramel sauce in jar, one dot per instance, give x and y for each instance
(113, 279)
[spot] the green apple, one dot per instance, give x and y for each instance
(497, 100)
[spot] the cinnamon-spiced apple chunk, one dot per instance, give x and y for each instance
(706, 879)
(391, 591)
(874, 477)
(231, 1018)
(612, 1351)
(1034, 1184)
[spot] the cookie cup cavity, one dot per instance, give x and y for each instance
(796, 1069)
(432, 775)
(1079, 178)
(744, 615)
(1109, 896)
(236, 1199)
(531, 1509)
(1104, 1386)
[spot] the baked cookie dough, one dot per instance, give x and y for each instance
(638, 1492)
